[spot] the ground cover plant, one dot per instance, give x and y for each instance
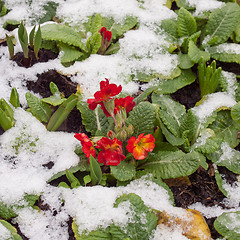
(119, 122)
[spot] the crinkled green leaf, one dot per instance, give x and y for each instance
(235, 112)
(70, 53)
(220, 182)
(170, 122)
(54, 100)
(142, 118)
(228, 225)
(95, 42)
(96, 24)
(172, 85)
(237, 33)
(124, 171)
(174, 140)
(62, 33)
(186, 23)
(226, 52)
(196, 54)
(167, 104)
(172, 164)
(93, 120)
(39, 109)
(142, 223)
(225, 128)
(190, 123)
(7, 212)
(222, 22)
(226, 157)
(170, 28)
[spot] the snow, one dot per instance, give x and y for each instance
(231, 48)
(212, 103)
(205, 5)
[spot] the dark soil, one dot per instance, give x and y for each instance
(201, 186)
(44, 55)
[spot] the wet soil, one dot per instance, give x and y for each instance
(201, 186)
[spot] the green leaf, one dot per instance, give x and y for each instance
(95, 42)
(70, 53)
(172, 164)
(167, 104)
(235, 112)
(73, 169)
(37, 42)
(13, 230)
(112, 49)
(54, 88)
(5, 121)
(7, 212)
(23, 39)
(174, 140)
(54, 100)
(219, 182)
(95, 171)
(195, 54)
(39, 109)
(190, 123)
(170, 27)
(93, 120)
(10, 46)
(170, 122)
(225, 128)
(72, 179)
(227, 157)
(64, 34)
(237, 33)
(31, 36)
(142, 223)
(143, 96)
(50, 11)
(228, 225)
(226, 52)
(96, 24)
(118, 29)
(172, 85)
(142, 118)
(11, 24)
(185, 61)
(222, 22)
(14, 98)
(186, 23)
(123, 171)
(99, 234)
(61, 114)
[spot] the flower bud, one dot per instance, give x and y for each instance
(130, 130)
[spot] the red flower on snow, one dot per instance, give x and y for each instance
(125, 103)
(107, 91)
(87, 145)
(141, 146)
(111, 153)
(106, 34)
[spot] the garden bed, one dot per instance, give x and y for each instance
(169, 81)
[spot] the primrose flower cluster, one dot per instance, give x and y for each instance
(111, 150)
